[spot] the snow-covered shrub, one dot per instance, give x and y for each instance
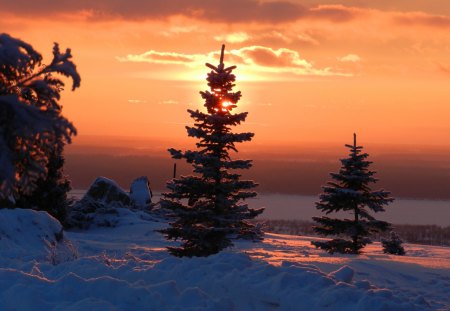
(61, 252)
(32, 127)
(393, 245)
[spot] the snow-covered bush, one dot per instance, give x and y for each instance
(208, 206)
(57, 254)
(32, 127)
(393, 245)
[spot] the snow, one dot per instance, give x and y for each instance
(128, 268)
(140, 192)
(343, 274)
(29, 235)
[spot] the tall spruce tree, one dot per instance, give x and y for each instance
(350, 192)
(208, 206)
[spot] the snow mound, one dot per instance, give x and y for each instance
(140, 192)
(343, 274)
(33, 235)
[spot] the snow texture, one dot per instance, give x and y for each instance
(127, 268)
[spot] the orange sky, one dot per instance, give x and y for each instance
(309, 71)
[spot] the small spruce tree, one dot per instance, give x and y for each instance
(208, 206)
(393, 245)
(51, 191)
(350, 192)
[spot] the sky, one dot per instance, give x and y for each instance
(311, 72)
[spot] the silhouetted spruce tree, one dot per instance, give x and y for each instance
(208, 205)
(393, 245)
(50, 194)
(350, 192)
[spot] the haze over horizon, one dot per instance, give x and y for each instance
(406, 171)
(311, 73)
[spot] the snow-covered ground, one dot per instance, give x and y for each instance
(127, 268)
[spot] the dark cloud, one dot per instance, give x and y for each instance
(230, 11)
(211, 10)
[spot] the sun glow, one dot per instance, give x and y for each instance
(226, 104)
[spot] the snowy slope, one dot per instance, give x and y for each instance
(127, 268)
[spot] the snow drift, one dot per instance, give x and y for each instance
(128, 268)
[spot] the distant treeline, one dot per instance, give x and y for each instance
(418, 234)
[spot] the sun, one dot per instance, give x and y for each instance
(225, 106)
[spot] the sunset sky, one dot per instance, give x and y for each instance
(310, 71)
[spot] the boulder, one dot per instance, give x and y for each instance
(99, 205)
(106, 191)
(140, 192)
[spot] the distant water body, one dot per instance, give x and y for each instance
(301, 207)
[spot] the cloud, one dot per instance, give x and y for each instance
(268, 57)
(350, 58)
(159, 58)
(306, 40)
(168, 102)
(235, 37)
(335, 13)
(137, 101)
(211, 10)
(251, 58)
(422, 19)
(214, 11)
(177, 30)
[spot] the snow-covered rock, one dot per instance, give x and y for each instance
(140, 192)
(104, 190)
(99, 205)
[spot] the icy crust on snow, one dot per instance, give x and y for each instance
(227, 281)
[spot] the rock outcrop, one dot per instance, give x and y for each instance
(99, 205)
